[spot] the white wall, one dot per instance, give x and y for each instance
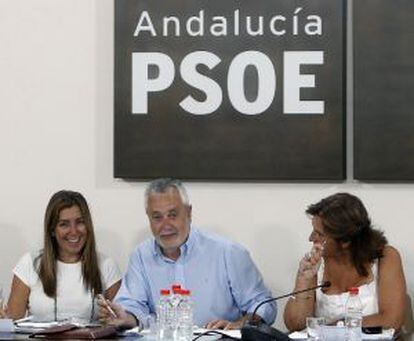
(56, 123)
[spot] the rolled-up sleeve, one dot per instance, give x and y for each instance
(247, 286)
(133, 294)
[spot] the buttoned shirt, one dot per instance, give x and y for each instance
(223, 280)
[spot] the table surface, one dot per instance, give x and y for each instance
(18, 336)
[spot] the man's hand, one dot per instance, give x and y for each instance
(227, 325)
(224, 324)
(113, 314)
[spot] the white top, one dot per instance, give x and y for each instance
(73, 300)
(332, 307)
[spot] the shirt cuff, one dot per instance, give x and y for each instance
(137, 320)
(267, 312)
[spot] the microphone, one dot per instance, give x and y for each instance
(263, 332)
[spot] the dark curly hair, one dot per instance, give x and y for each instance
(345, 219)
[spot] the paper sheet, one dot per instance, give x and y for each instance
(6, 325)
(387, 334)
(232, 333)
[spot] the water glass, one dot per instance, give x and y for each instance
(152, 326)
(2, 304)
(314, 328)
(1, 297)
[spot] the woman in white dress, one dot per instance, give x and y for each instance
(62, 280)
(348, 252)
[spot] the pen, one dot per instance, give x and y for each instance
(111, 311)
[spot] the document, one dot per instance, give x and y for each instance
(338, 333)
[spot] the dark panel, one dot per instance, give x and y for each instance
(384, 90)
(227, 144)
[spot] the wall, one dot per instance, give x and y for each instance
(56, 119)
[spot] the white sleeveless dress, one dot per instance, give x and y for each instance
(332, 307)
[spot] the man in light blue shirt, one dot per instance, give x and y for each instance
(225, 284)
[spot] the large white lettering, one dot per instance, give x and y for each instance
(141, 82)
(266, 82)
(190, 75)
(293, 81)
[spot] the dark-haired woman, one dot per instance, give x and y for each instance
(348, 252)
(62, 280)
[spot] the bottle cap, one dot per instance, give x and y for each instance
(164, 292)
(185, 292)
(177, 291)
(353, 290)
(176, 286)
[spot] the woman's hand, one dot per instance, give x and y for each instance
(3, 309)
(303, 305)
(309, 264)
(113, 314)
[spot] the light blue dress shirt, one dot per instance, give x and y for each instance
(223, 279)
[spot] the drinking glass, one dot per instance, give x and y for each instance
(2, 304)
(1, 297)
(314, 328)
(152, 326)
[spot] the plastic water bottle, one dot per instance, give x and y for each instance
(176, 286)
(165, 330)
(175, 300)
(353, 316)
(185, 317)
(176, 295)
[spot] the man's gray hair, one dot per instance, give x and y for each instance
(162, 185)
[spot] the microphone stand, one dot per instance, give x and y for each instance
(263, 332)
